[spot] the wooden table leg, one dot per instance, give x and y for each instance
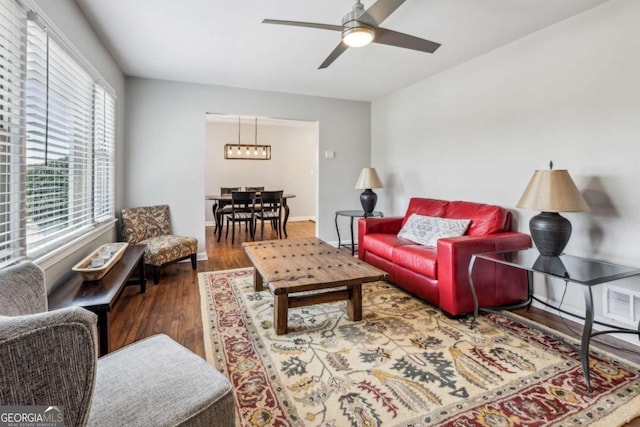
(354, 303)
(257, 281)
(103, 331)
(280, 313)
(286, 219)
(214, 210)
(142, 278)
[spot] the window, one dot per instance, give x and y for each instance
(66, 130)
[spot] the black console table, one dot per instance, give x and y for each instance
(582, 271)
(353, 214)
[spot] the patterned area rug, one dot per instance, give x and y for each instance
(404, 364)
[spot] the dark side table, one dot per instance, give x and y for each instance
(99, 296)
(353, 214)
(582, 271)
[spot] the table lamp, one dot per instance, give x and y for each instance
(367, 180)
(551, 191)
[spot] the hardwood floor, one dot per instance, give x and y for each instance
(173, 306)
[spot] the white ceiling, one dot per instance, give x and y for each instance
(223, 42)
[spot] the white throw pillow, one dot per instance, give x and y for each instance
(426, 230)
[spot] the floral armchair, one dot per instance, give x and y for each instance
(151, 226)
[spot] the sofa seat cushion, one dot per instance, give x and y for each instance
(163, 249)
(157, 382)
(417, 258)
(383, 244)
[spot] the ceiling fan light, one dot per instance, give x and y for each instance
(358, 36)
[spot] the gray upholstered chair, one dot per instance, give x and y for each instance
(50, 358)
(151, 226)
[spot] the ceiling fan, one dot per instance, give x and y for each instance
(360, 27)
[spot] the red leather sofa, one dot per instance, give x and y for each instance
(439, 274)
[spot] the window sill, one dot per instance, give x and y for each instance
(67, 250)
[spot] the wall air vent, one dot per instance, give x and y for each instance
(621, 304)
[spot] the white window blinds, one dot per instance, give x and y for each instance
(57, 138)
(59, 142)
(13, 30)
(104, 156)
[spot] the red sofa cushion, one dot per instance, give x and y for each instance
(383, 245)
(417, 258)
(426, 207)
(485, 219)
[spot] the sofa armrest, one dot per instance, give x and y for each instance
(388, 225)
(454, 256)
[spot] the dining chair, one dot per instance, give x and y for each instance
(270, 210)
(257, 190)
(242, 210)
(222, 208)
(229, 190)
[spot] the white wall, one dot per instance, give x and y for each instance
(569, 93)
(293, 166)
(69, 20)
(165, 150)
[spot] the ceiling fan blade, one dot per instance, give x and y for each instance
(394, 38)
(379, 11)
(333, 55)
(303, 24)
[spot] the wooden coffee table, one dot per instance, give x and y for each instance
(291, 267)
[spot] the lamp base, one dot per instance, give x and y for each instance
(368, 200)
(550, 232)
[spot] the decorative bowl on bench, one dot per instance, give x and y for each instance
(96, 265)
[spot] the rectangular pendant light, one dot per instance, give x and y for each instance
(246, 151)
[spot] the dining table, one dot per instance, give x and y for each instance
(222, 200)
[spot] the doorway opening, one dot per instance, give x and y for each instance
(293, 166)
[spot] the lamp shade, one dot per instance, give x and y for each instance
(368, 179)
(552, 190)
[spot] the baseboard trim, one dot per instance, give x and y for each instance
(629, 338)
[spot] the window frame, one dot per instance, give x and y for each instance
(12, 131)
